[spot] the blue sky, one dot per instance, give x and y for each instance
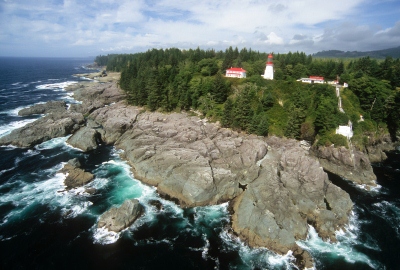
(75, 28)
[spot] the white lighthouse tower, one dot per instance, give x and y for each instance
(269, 69)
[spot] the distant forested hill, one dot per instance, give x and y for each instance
(380, 54)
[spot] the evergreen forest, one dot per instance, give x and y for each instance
(193, 80)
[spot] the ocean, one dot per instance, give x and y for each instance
(42, 226)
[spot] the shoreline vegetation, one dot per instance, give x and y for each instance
(276, 185)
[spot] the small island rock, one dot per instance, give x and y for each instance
(118, 218)
(76, 176)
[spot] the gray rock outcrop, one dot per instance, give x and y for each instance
(76, 177)
(348, 163)
(49, 107)
(118, 218)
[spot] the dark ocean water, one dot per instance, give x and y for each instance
(44, 227)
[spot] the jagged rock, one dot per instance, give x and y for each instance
(348, 163)
(48, 127)
(115, 120)
(85, 139)
(76, 176)
(118, 218)
(49, 107)
(157, 204)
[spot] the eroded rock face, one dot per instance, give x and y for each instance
(348, 163)
(76, 177)
(118, 218)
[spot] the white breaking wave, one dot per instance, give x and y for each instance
(344, 247)
(53, 143)
(104, 236)
(6, 129)
(13, 112)
(24, 196)
(53, 86)
(259, 258)
(122, 185)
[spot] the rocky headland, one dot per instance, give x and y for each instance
(275, 186)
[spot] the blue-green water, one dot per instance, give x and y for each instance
(42, 226)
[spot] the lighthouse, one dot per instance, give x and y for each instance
(269, 69)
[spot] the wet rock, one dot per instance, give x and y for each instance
(91, 191)
(118, 218)
(76, 177)
(157, 204)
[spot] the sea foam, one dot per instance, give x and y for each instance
(53, 86)
(6, 129)
(344, 247)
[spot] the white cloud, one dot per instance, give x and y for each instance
(278, 25)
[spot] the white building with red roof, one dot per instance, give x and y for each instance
(312, 79)
(235, 73)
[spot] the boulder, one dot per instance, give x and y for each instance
(85, 139)
(76, 176)
(118, 218)
(49, 107)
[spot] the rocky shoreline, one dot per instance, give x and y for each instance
(275, 186)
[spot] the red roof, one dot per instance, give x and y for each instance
(270, 55)
(317, 78)
(236, 69)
